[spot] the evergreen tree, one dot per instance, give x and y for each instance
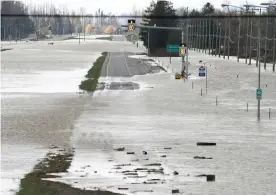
(161, 13)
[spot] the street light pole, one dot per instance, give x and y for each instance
(238, 54)
(182, 40)
(148, 42)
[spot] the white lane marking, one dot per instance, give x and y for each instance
(108, 64)
(128, 70)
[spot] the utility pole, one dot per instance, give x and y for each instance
(148, 42)
(224, 43)
(182, 40)
(259, 68)
(187, 46)
(250, 43)
(266, 43)
(238, 54)
(274, 45)
(246, 45)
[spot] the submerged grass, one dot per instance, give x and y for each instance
(33, 183)
(105, 38)
(93, 74)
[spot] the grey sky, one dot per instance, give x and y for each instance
(126, 6)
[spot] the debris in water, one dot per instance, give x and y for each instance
(120, 149)
(140, 169)
(154, 164)
(163, 156)
(202, 175)
(130, 152)
(175, 173)
(122, 188)
(121, 165)
(149, 182)
(175, 191)
(167, 148)
(206, 144)
(145, 153)
(211, 178)
(202, 157)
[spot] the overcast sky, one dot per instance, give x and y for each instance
(126, 6)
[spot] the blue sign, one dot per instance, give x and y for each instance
(202, 72)
(173, 48)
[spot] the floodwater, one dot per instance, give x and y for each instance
(169, 113)
(163, 113)
(39, 103)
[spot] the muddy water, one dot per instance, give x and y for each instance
(39, 104)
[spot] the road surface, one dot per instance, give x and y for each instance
(118, 64)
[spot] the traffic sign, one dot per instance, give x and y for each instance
(259, 93)
(201, 71)
(173, 48)
(131, 25)
(182, 51)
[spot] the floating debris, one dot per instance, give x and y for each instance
(154, 164)
(140, 169)
(211, 178)
(167, 148)
(130, 152)
(131, 173)
(149, 182)
(202, 157)
(206, 144)
(128, 171)
(163, 156)
(120, 149)
(175, 191)
(145, 153)
(154, 179)
(122, 188)
(121, 165)
(175, 173)
(202, 175)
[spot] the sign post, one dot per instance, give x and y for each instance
(131, 25)
(182, 50)
(259, 94)
(203, 73)
(172, 48)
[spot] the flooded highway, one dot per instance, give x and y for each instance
(158, 125)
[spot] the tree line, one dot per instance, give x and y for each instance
(65, 21)
(211, 29)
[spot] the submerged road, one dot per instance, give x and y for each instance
(118, 64)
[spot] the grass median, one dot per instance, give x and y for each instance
(109, 38)
(93, 74)
(33, 183)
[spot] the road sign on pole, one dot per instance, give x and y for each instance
(131, 25)
(201, 71)
(182, 50)
(173, 48)
(259, 93)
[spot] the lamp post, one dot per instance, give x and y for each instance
(238, 51)
(259, 67)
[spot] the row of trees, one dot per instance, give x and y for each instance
(15, 26)
(224, 35)
(64, 22)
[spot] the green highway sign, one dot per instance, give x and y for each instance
(259, 93)
(173, 48)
